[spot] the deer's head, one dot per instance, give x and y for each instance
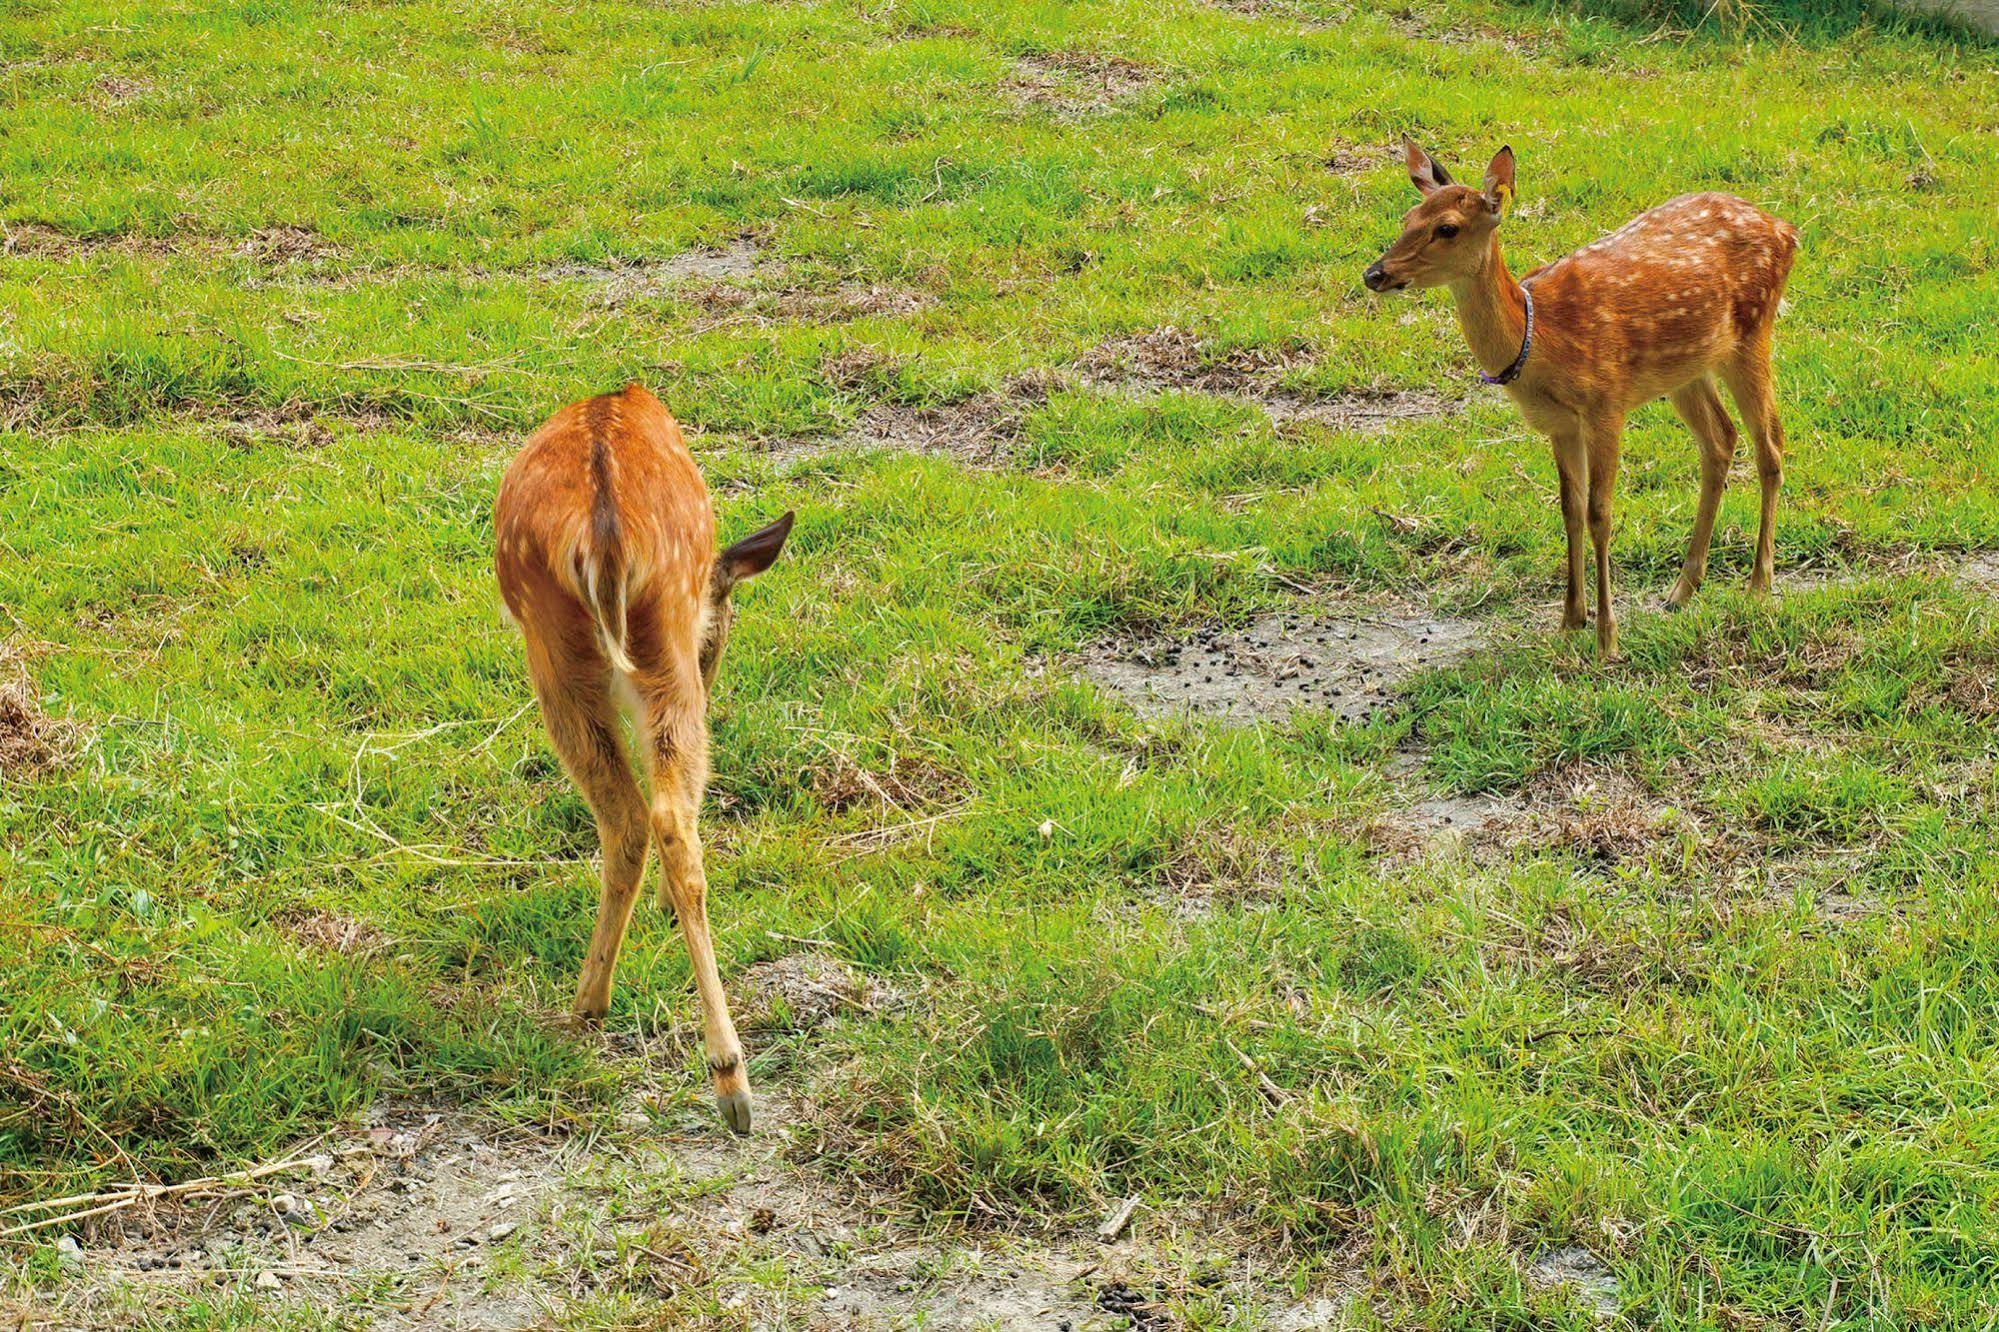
(1448, 235)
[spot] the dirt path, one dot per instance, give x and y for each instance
(437, 1219)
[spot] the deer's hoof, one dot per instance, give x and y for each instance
(1572, 622)
(735, 1108)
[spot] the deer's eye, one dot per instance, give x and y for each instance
(1447, 230)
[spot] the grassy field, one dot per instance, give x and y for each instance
(285, 286)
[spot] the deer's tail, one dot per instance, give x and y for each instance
(601, 563)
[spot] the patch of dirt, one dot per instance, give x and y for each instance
(1981, 570)
(1348, 663)
(276, 429)
(1282, 9)
(32, 238)
(1177, 358)
(1604, 815)
(437, 1219)
(287, 244)
(1422, 28)
(981, 430)
(1172, 358)
(274, 246)
(799, 992)
(616, 284)
(1422, 821)
(116, 90)
(394, 1221)
(850, 300)
(1361, 410)
(1580, 1270)
(32, 743)
(978, 431)
(1072, 84)
(1352, 159)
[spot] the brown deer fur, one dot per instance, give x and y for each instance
(605, 552)
(1681, 296)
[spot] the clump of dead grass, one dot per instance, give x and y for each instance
(1206, 868)
(349, 936)
(32, 743)
(907, 783)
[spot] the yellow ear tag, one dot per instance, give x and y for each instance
(1505, 193)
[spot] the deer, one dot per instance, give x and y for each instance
(604, 548)
(1681, 296)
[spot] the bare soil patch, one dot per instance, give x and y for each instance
(1421, 820)
(1354, 158)
(1170, 358)
(439, 1219)
(1280, 9)
(1348, 662)
(616, 284)
(1177, 358)
(1072, 84)
(1601, 813)
(32, 743)
(1981, 570)
(1582, 1272)
(729, 304)
(799, 991)
(276, 245)
(982, 429)
(116, 89)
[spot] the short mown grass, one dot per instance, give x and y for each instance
(288, 286)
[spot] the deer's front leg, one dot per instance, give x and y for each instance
(1572, 468)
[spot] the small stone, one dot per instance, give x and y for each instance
(269, 1281)
(68, 1252)
(496, 1233)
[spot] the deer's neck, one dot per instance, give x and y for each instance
(1492, 310)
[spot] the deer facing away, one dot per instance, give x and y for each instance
(605, 552)
(1680, 297)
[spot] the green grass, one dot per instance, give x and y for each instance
(281, 643)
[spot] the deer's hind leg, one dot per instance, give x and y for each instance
(1754, 389)
(1700, 407)
(582, 721)
(1605, 437)
(676, 739)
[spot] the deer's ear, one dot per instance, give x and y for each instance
(1499, 181)
(752, 555)
(1426, 173)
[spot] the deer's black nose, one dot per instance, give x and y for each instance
(1374, 277)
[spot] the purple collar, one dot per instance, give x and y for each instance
(1512, 372)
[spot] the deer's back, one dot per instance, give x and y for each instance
(1676, 289)
(608, 477)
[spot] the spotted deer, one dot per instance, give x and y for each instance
(605, 552)
(1679, 297)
